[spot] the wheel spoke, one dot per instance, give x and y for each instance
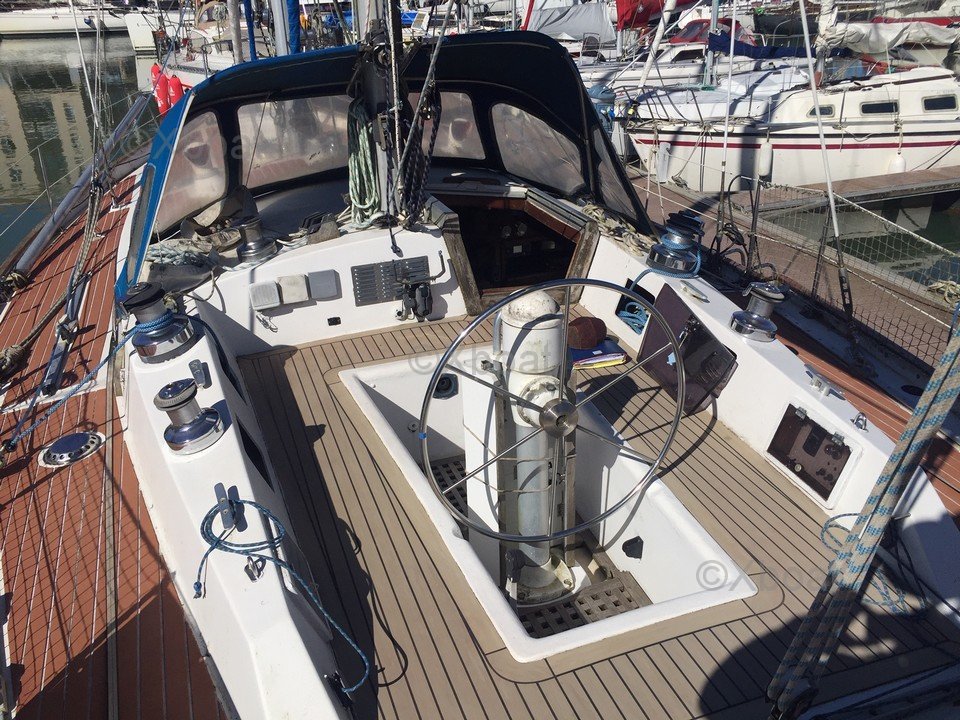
(565, 360)
(624, 448)
(495, 388)
(636, 366)
(491, 461)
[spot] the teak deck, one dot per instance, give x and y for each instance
(84, 639)
(384, 572)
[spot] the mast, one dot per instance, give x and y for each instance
(381, 93)
(233, 19)
(668, 7)
(281, 26)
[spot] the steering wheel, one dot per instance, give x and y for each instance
(558, 417)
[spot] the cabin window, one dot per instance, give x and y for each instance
(687, 55)
(288, 139)
(885, 107)
(943, 102)
(197, 175)
(532, 149)
(825, 111)
(458, 136)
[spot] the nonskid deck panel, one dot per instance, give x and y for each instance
(384, 572)
(53, 530)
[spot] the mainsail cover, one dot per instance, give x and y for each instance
(639, 13)
(874, 38)
(720, 43)
(574, 22)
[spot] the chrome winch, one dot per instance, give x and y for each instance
(191, 427)
(678, 252)
(145, 302)
(754, 322)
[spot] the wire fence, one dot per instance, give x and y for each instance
(887, 278)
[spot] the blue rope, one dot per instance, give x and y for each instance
(956, 314)
(146, 327)
(255, 550)
(898, 605)
(635, 316)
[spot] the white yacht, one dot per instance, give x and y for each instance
(376, 394)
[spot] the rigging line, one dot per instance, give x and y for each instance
(726, 120)
(431, 72)
(256, 141)
(395, 86)
(83, 61)
(816, 108)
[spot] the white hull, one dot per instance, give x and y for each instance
(686, 153)
(57, 21)
(141, 25)
(662, 74)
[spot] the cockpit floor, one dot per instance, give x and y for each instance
(384, 573)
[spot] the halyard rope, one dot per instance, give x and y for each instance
(803, 664)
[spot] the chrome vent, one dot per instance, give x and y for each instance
(70, 449)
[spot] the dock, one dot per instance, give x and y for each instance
(878, 188)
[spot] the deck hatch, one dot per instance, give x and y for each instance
(383, 282)
(814, 454)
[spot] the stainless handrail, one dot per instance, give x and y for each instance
(204, 52)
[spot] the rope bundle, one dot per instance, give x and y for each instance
(263, 551)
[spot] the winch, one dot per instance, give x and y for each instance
(145, 302)
(253, 247)
(754, 322)
(678, 252)
(191, 427)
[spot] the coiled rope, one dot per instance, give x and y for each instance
(259, 550)
(795, 683)
(362, 164)
(25, 432)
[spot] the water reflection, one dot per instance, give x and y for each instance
(46, 134)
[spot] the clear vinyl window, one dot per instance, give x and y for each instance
(458, 136)
(531, 148)
(287, 139)
(197, 175)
